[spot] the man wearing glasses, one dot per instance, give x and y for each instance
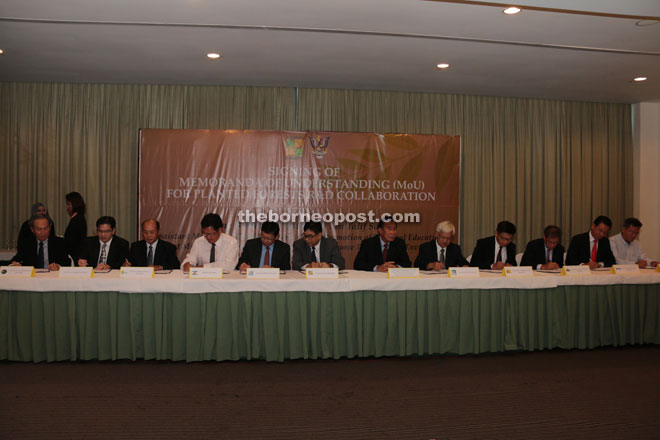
(41, 250)
(213, 248)
(314, 250)
(266, 251)
(106, 250)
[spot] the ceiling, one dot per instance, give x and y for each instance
(587, 50)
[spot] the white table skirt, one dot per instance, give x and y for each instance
(176, 282)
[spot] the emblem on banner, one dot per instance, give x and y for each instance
(319, 145)
(294, 147)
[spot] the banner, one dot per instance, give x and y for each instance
(345, 180)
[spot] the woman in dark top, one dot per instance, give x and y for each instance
(25, 232)
(76, 231)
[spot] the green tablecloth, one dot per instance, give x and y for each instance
(56, 326)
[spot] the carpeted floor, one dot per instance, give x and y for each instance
(597, 394)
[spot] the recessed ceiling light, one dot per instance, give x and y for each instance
(443, 66)
(2, 52)
(647, 22)
(214, 56)
(512, 10)
(640, 79)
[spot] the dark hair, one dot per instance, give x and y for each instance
(270, 228)
(603, 219)
(106, 220)
(212, 220)
(386, 219)
(151, 220)
(77, 202)
(315, 227)
(632, 221)
(506, 227)
(39, 217)
(552, 231)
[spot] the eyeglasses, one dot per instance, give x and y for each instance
(104, 231)
(309, 236)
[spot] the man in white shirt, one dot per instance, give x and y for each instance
(213, 248)
(626, 249)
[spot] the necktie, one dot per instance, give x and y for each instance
(442, 256)
(103, 256)
(212, 259)
(313, 254)
(547, 256)
(150, 256)
(499, 255)
(385, 253)
(594, 251)
(40, 256)
(267, 256)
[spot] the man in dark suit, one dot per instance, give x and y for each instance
(545, 253)
(266, 251)
(582, 249)
(496, 251)
(314, 250)
(152, 251)
(441, 253)
(41, 250)
(382, 251)
(105, 250)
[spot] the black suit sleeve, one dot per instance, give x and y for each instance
(171, 260)
(364, 260)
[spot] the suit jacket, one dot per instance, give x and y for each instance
(280, 255)
(165, 255)
(484, 253)
(74, 236)
(25, 234)
(329, 253)
(579, 251)
(535, 254)
(370, 254)
(117, 254)
(27, 252)
(428, 253)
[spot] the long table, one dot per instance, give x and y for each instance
(362, 314)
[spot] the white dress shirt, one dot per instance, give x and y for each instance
(226, 253)
(497, 250)
(107, 250)
(627, 253)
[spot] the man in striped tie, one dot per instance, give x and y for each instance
(106, 250)
(545, 253)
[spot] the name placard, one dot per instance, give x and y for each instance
(76, 272)
(403, 272)
(17, 271)
(579, 270)
(463, 272)
(623, 269)
(518, 271)
(136, 272)
(262, 273)
(205, 273)
(322, 273)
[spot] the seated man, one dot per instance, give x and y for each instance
(213, 248)
(626, 249)
(496, 251)
(314, 250)
(545, 253)
(104, 251)
(441, 253)
(41, 250)
(152, 251)
(266, 251)
(382, 251)
(592, 248)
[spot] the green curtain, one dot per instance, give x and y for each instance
(56, 138)
(530, 161)
(533, 162)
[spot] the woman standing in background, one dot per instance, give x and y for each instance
(76, 231)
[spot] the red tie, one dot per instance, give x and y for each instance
(385, 253)
(594, 251)
(267, 256)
